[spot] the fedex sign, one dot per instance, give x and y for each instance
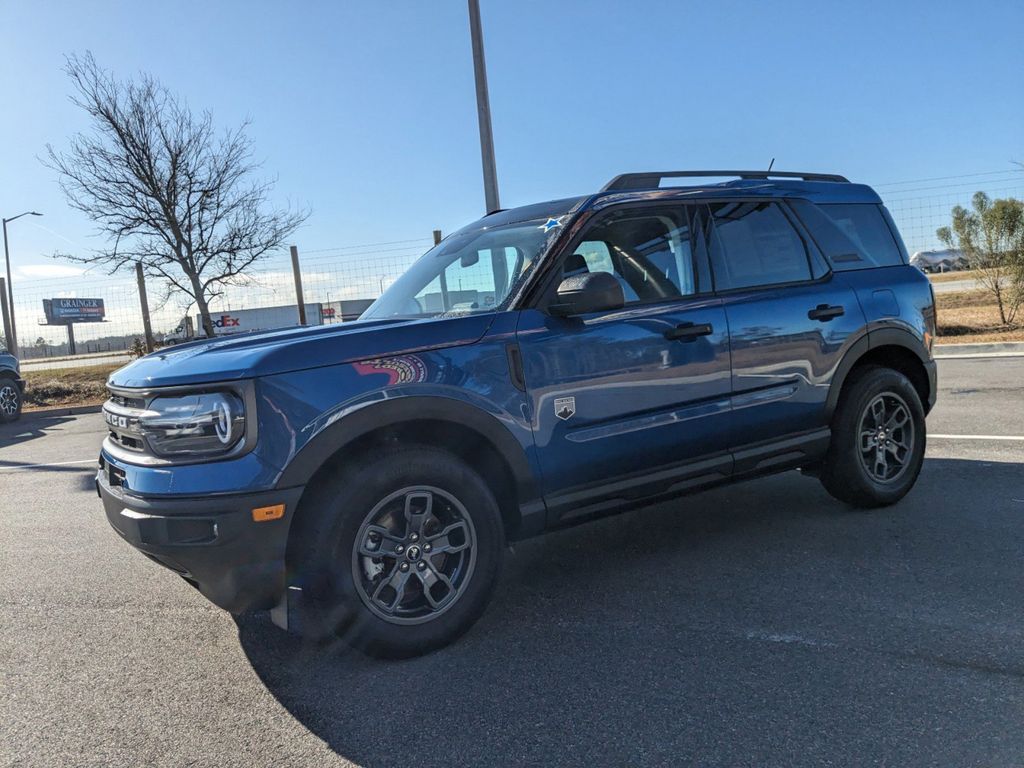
(226, 321)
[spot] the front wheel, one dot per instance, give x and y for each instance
(10, 401)
(878, 439)
(400, 552)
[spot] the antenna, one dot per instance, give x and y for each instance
(770, 165)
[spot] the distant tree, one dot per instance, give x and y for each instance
(137, 348)
(165, 188)
(991, 236)
(40, 342)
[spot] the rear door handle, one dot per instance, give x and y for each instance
(688, 331)
(824, 312)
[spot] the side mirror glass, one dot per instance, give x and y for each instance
(589, 292)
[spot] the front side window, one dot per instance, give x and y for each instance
(474, 270)
(754, 244)
(649, 252)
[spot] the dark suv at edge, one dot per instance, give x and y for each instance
(539, 367)
(12, 387)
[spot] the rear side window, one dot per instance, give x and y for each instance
(852, 235)
(754, 244)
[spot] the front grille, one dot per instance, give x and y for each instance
(122, 417)
(131, 443)
(128, 402)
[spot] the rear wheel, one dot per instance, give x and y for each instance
(878, 439)
(401, 553)
(10, 400)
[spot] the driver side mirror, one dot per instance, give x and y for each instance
(589, 292)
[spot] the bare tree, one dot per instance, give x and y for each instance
(165, 188)
(991, 237)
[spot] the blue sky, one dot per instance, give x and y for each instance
(365, 110)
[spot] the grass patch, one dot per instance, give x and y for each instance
(965, 299)
(972, 317)
(948, 277)
(84, 385)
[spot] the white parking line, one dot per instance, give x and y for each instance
(975, 437)
(43, 466)
(978, 355)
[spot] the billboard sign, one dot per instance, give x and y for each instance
(64, 311)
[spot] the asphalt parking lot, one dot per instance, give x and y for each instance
(762, 624)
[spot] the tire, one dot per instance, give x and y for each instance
(10, 400)
(878, 439)
(410, 500)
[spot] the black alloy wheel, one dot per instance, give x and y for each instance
(414, 554)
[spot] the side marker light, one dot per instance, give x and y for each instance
(262, 514)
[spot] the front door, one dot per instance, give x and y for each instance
(633, 401)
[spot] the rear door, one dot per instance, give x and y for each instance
(790, 320)
(624, 402)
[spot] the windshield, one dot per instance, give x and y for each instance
(474, 270)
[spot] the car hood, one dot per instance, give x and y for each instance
(266, 353)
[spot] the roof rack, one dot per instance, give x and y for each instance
(652, 179)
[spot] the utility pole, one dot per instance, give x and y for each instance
(483, 109)
(12, 331)
(298, 285)
(4, 317)
(442, 278)
(147, 327)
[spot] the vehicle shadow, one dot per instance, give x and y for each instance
(634, 640)
(30, 427)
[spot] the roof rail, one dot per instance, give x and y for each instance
(652, 179)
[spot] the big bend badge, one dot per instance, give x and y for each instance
(565, 407)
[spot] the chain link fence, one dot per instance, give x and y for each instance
(344, 277)
(923, 205)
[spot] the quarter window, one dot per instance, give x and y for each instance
(754, 244)
(853, 235)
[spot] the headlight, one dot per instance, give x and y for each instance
(204, 424)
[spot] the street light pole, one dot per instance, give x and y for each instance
(12, 342)
(483, 108)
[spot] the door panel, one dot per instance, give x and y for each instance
(790, 319)
(783, 360)
(641, 401)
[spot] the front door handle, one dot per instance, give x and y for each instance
(824, 312)
(688, 331)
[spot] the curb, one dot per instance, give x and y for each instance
(59, 410)
(991, 349)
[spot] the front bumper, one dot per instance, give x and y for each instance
(212, 541)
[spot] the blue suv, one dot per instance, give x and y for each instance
(540, 367)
